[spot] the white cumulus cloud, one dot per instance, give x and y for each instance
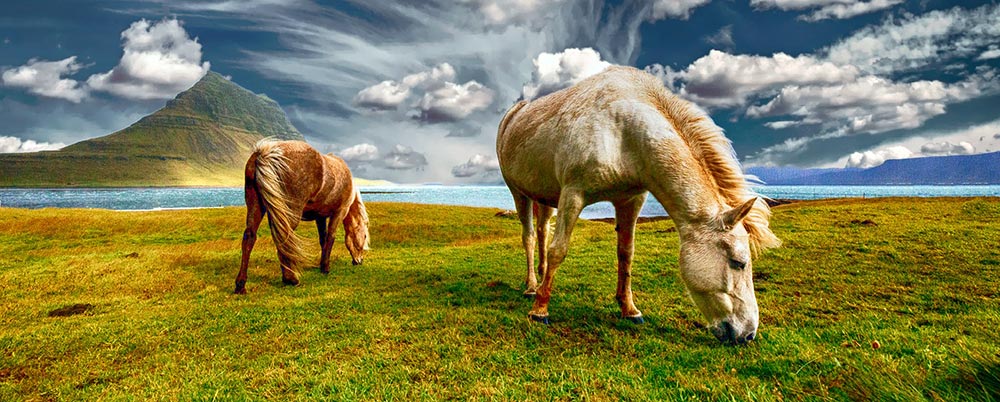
(359, 153)
(947, 148)
(454, 102)
(869, 159)
(680, 9)
(724, 80)
(555, 71)
(382, 96)
(441, 101)
(159, 60)
(404, 158)
(478, 165)
(16, 145)
(989, 54)
(45, 78)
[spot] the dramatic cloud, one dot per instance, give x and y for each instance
(870, 159)
(555, 71)
(404, 158)
(359, 153)
(680, 9)
(326, 59)
(827, 9)
(478, 165)
(159, 61)
(869, 104)
(45, 78)
(723, 80)
(947, 148)
(869, 83)
(442, 100)
(919, 42)
(15, 145)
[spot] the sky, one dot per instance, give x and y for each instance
(413, 91)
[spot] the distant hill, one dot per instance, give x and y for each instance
(932, 170)
(775, 174)
(200, 138)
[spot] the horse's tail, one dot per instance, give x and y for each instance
(356, 229)
(271, 165)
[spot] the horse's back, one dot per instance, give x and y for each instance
(336, 188)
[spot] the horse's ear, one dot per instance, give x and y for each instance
(733, 216)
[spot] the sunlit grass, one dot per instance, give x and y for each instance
(868, 299)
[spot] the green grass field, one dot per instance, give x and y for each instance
(891, 299)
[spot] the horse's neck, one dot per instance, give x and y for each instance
(678, 181)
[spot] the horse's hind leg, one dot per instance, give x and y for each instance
(626, 214)
(523, 206)
(324, 244)
(571, 202)
(255, 214)
(542, 215)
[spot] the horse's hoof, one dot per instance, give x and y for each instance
(636, 320)
(293, 282)
(529, 293)
(240, 288)
(539, 318)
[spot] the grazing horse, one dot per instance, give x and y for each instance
(614, 137)
(290, 181)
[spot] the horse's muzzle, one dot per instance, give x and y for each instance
(726, 333)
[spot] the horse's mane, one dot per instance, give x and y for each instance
(717, 158)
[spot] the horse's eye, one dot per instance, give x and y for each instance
(735, 264)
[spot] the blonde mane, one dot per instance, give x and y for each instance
(718, 161)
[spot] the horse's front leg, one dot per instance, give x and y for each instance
(523, 206)
(255, 214)
(330, 235)
(626, 214)
(324, 244)
(571, 202)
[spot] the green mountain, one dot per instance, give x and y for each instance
(200, 138)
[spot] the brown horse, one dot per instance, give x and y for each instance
(291, 182)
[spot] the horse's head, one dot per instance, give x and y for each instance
(716, 269)
(356, 228)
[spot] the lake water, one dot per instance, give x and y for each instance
(479, 196)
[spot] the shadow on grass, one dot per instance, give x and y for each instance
(982, 376)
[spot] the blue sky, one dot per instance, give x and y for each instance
(412, 91)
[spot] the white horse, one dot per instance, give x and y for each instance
(613, 137)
